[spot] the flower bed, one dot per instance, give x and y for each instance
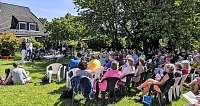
(6, 57)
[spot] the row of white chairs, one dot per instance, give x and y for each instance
(176, 90)
(56, 69)
(194, 74)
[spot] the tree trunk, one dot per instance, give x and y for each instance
(146, 47)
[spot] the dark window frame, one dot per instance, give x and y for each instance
(34, 24)
(25, 28)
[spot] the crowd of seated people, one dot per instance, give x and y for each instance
(158, 71)
(161, 69)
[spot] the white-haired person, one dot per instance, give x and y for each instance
(185, 67)
(128, 67)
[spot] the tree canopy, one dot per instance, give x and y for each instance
(65, 28)
(143, 21)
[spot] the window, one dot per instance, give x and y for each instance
(22, 26)
(32, 26)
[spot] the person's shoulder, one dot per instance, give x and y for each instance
(115, 71)
(15, 69)
(20, 69)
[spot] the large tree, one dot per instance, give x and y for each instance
(145, 21)
(65, 29)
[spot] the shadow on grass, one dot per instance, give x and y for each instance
(58, 91)
(68, 102)
(40, 83)
(81, 101)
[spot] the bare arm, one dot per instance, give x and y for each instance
(7, 79)
(164, 79)
(24, 73)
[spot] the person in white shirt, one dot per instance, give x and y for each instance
(29, 47)
(18, 75)
(128, 68)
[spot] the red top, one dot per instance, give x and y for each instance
(185, 71)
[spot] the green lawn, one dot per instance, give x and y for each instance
(37, 94)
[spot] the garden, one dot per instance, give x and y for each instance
(157, 32)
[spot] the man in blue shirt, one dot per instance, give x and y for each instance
(75, 61)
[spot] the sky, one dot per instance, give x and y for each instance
(47, 8)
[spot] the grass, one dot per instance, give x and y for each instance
(30, 94)
(37, 94)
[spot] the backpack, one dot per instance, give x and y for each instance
(45, 79)
(67, 94)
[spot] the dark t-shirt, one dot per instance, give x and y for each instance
(23, 46)
(164, 88)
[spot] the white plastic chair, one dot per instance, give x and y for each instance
(54, 69)
(68, 78)
(194, 75)
(179, 87)
(64, 71)
(172, 90)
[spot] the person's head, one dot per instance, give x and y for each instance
(114, 65)
(7, 71)
(167, 60)
(82, 65)
(142, 62)
(178, 66)
(24, 40)
(110, 58)
(15, 65)
(130, 61)
(156, 56)
(93, 57)
(186, 64)
(169, 68)
(79, 55)
(29, 41)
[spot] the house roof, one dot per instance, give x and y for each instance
(21, 13)
(24, 19)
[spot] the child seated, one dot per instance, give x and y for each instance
(5, 76)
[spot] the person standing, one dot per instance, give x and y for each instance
(23, 50)
(29, 46)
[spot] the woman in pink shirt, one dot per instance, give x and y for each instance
(113, 72)
(186, 67)
(195, 84)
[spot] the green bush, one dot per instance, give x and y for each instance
(9, 43)
(36, 44)
(195, 44)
